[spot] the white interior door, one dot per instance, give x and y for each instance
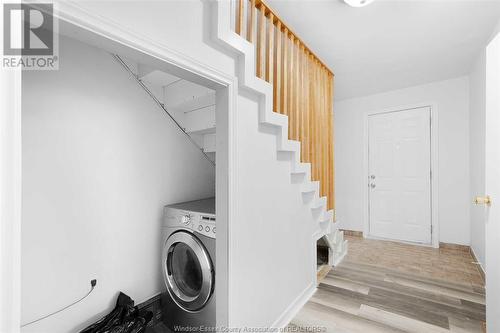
(399, 175)
(493, 185)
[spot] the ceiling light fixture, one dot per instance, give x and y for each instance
(358, 3)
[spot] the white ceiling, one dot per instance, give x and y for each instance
(391, 44)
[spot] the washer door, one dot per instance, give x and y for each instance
(187, 270)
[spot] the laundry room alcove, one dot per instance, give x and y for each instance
(120, 131)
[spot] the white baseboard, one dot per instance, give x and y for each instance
(148, 298)
(291, 311)
(481, 268)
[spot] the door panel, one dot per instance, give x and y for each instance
(399, 175)
(493, 185)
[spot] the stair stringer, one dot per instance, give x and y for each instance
(289, 149)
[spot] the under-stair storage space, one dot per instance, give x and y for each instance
(190, 105)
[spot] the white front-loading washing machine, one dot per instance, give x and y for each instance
(188, 265)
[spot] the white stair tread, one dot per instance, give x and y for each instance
(290, 146)
(159, 78)
(303, 168)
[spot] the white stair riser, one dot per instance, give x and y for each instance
(202, 121)
(308, 197)
(183, 91)
(195, 103)
(209, 143)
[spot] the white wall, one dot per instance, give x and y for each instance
(452, 100)
(100, 160)
(477, 120)
(270, 236)
(274, 250)
(495, 32)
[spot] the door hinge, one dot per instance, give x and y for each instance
(430, 174)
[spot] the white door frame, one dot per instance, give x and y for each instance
(434, 169)
(10, 199)
(226, 169)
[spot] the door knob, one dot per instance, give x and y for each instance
(483, 200)
(372, 177)
(372, 185)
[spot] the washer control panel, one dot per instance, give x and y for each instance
(201, 223)
(185, 219)
(205, 225)
(179, 219)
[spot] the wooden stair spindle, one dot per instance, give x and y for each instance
(277, 68)
(270, 49)
(291, 92)
(251, 21)
(261, 40)
(240, 12)
(285, 69)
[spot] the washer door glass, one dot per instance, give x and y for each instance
(185, 269)
(188, 271)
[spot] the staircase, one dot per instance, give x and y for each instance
(300, 173)
(192, 108)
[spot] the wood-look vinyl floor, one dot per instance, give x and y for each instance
(375, 291)
(444, 263)
(158, 328)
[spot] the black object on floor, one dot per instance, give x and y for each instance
(125, 318)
